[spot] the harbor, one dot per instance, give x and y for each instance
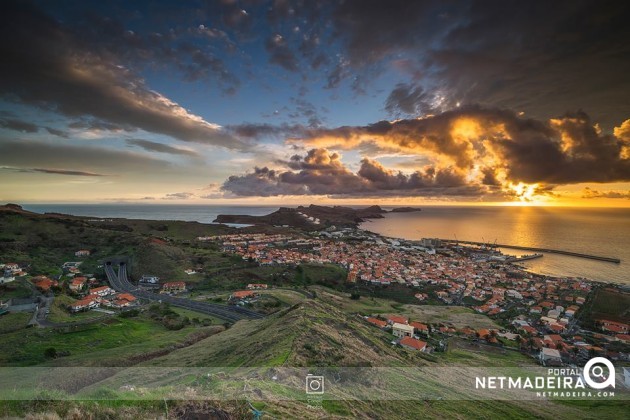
(536, 250)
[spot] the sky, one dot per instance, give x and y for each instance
(296, 102)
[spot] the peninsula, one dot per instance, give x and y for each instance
(311, 217)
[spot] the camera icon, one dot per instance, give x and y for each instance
(314, 384)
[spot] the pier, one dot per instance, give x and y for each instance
(547, 250)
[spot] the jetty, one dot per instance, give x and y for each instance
(528, 248)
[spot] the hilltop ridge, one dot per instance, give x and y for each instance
(312, 216)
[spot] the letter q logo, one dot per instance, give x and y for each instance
(591, 370)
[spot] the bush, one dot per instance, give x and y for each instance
(129, 314)
(50, 353)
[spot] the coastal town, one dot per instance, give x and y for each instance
(538, 313)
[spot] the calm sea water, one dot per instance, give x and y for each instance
(187, 213)
(604, 232)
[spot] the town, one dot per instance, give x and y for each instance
(537, 315)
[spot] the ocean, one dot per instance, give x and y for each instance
(603, 232)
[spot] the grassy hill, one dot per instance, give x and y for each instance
(311, 333)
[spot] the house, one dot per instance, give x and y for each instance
(550, 357)
(44, 284)
(613, 326)
(7, 278)
(102, 291)
(242, 294)
(148, 279)
(173, 287)
(413, 344)
(84, 304)
(123, 300)
(420, 328)
(378, 322)
(256, 286)
(402, 330)
(483, 333)
(77, 283)
(82, 253)
(395, 319)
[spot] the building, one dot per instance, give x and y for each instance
(402, 330)
(82, 253)
(102, 291)
(395, 319)
(149, 282)
(242, 294)
(122, 300)
(420, 328)
(84, 304)
(44, 283)
(77, 284)
(378, 322)
(413, 344)
(550, 357)
(174, 287)
(256, 286)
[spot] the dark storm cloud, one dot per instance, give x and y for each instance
(45, 65)
(407, 99)
(18, 125)
(152, 146)
(53, 171)
(503, 146)
(32, 154)
(321, 172)
(280, 53)
(56, 132)
(539, 57)
(65, 172)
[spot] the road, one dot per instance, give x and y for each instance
(121, 283)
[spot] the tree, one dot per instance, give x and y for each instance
(50, 353)
(355, 296)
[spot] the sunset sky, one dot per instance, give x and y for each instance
(297, 102)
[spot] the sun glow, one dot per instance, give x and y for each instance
(526, 194)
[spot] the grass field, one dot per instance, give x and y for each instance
(14, 321)
(59, 312)
(606, 304)
(108, 341)
(15, 289)
(457, 315)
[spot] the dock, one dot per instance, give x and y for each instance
(547, 250)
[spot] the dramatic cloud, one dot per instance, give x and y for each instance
(408, 100)
(44, 65)
(590, 193)
(280, 53)
(84, 160)
(321, 172)
(152, 146)
(468, 151)
(18, 125)
(497, 143)
(537, 57)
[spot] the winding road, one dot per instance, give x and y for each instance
(120, 283)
